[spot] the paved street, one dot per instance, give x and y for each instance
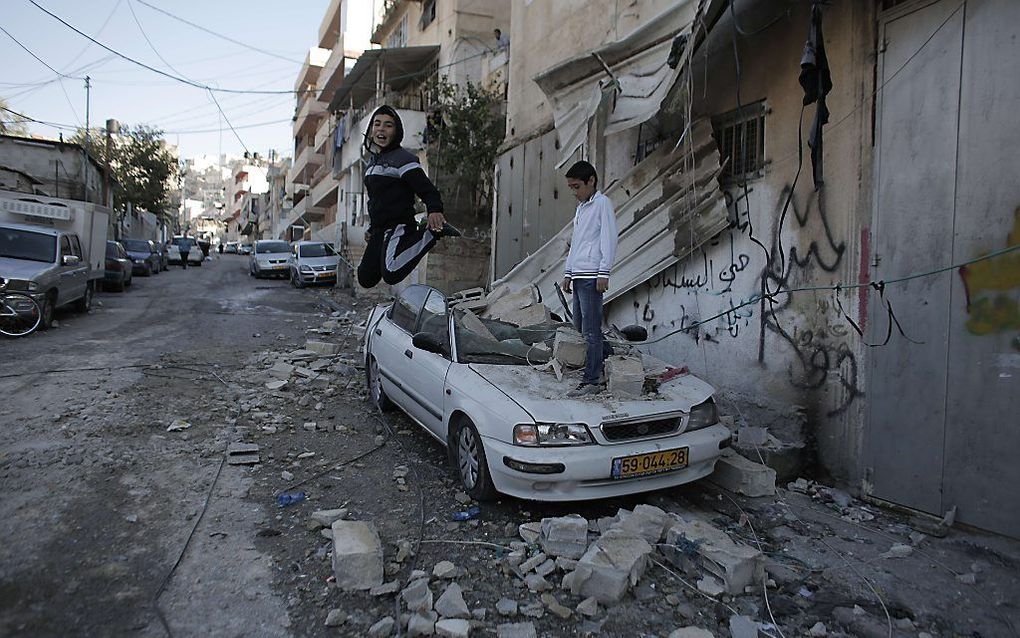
(100, 499)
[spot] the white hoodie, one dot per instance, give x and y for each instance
(593, 242)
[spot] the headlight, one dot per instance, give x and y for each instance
(22, 285)
(138, 261)
(703, 415)
(306, 269)
(552, 434)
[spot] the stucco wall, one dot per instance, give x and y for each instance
(771, 363)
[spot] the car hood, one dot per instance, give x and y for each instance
(23, 269)
(136, 254)
(545, 398)
(272, 255)
(317, 261)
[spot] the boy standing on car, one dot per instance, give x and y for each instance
(395, 243)
(586, 274)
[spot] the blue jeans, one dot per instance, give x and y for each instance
(588, 321)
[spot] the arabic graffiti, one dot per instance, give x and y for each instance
(992, 290)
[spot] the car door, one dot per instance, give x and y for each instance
(428, 383)
(67, 289)
(393, 350)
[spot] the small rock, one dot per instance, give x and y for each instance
(711, 586)
(967, 579)
(536, 583)
(391, 587)
(310, 426)
(383, 628)
(555, 607)
(692, 632)
(818, 629)
(451, 603)
(506, 607)
(516, 630)
(404, 550)
(743, 627)
(534, 609)
(479, 614)
(546, 568)
(287, 476)
(899, 550)
(532, 562)
(422, 623)
(462, 498)
(417, 596)
(530, 532)
(588, 607)
(335, 618)
(444, 569)
(453, 628)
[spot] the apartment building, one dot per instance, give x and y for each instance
(311, 183)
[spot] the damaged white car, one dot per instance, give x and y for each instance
(479, 387)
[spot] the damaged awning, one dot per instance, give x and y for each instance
(628, 79)
(666, 207)
(394, 68)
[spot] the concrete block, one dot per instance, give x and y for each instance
(516, 630)
(536, 583)
(521, 308)
(743, 476)
(532, 562)
(453, 628)
(451, 603)
(383, 628)
(281, 370)
(569, 347)
(417, 595)
(302, 355)
(700, 544)
(326, 518)
(471, 322)
(357, 555)
(565, 536)
(691, 632)
(743, 627)
(626, 376)
(647, 521)
(422, 623)
(323, 347)
(752, 436)
(616, 561)
(278, 384)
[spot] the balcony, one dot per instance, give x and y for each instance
(388, 66)
(324, 135)
(310, 69)
(303, 211)
(308, 115)
(324, 191)
(329, 28)
(305, 164)
(332, 73)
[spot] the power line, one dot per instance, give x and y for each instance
(71, 127)
(40, 60)
(219, 35)
(148, 41)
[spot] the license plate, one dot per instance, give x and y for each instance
(651, 463)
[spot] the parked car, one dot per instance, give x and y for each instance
(269, 259)
(245, 249)
(509, 428)
(119, 268)
(164, 257)
(144, 256)
(312, 262)
(195, 256)
(230, 247)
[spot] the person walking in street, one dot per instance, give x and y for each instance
(395, 242)
(589, 262)
(184, 246)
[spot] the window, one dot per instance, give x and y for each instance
(404, 312)
(398, 38)
(428, 13)
(434, 318)
(741, 139)
(65, 246)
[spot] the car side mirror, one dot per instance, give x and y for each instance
(428, 342)
(634, 333)
(72, 260)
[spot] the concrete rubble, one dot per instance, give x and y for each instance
(626, 376)
(357, 555)
(569, 347)
(521, 308)
(697, 543)
(743, 476)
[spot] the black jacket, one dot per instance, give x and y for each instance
(392, 179)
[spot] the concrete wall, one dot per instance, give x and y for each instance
(59, 166)
(774, 364)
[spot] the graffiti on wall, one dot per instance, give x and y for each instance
(992, 290)
(735, 268)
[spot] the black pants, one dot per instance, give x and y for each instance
(184, 259)
(392, 253)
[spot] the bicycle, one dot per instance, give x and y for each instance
(20, 314)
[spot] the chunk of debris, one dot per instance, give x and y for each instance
(326, 518)
(532, 562)
(453, 628)
(471, 322)
(391, 587)
(516, 630)
(537, 583)
(610, 565)
(404, 550)
(743, 627)
(555, 607)
(336, 617)
(383, 629)
(422, 623)
(279, 384)
(697, 543)
(417, 596)
(242, 454)
(287, 476)
(281, 370)
(521, 308)
(743, 476)
(506, 607)
(691, 632)
(626, 375)
(451, 603)
(177, 425)
(588, 607)
(898, 550)
(357, 555)
(752, 436)
(444, 569)
(818, 630)
(323, 347)
(565, 536)
(530, 532)
(569, 347)
(647, 521)
(711, 586)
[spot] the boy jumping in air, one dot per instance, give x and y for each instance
(586, 275)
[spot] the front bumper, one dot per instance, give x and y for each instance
(586, 469)
(318, 277)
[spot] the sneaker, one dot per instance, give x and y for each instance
(585, 389)
(449, 230)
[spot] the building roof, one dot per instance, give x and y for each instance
(400, 66)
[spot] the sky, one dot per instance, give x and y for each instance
(134, 95)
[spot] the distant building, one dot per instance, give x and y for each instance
(49, 167)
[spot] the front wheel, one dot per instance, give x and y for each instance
(471, 464)
(85, 303)
(376, 392)
(295, 280)
(46, 309)
(20, 315)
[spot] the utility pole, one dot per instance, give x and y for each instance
(112, 126)
(88, 133)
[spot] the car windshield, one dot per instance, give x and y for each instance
(136, 245)
(316, 250)
(24, 244)
(493, 341)
(111, 250)
(272, 247)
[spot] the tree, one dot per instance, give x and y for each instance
(466, 127)
(11, 124)
(144, 169)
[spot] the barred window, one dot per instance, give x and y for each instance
(740, 135)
